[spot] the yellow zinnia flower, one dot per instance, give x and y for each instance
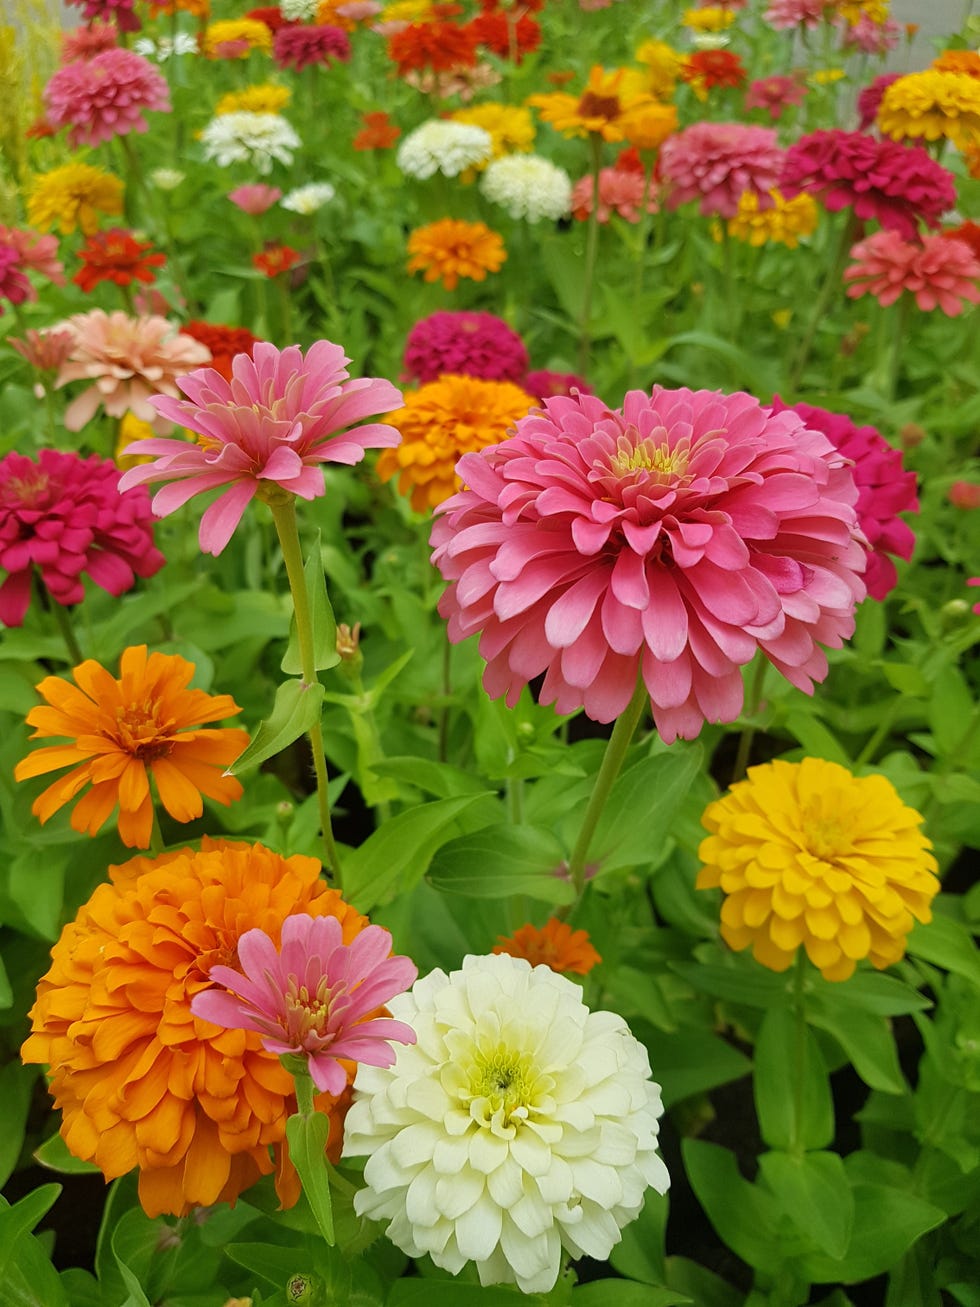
(449, 249)
(713, 18)
(825, 76)
(852, 11)
(806, 853)
(265, 98)
(782, 224)
(72, 197)
(511, 127)
(663, 66)
(934, 105)
(647, 124)
(598, 110)
(229, 32)
(439, 423)
(407, 11)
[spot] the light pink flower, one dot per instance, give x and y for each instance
(784, 14)
(671, 538)
(774, 94)
(127, 360)
(315, 995)
(870, 37)
(104, 97)
(282, 414)
(255, 198)
(87, 42)
(940, 273)
(716, 163)
(37, 253)
(621, 191)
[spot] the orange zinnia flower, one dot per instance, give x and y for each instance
(377, 133)
(124, 731)
(275, 260)
(142, 1082)
(555, 945)
(449, 249)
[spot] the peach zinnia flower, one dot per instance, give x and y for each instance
(123, 732)
(940, 273)
(553, 945)
(141, 1081)
(440, 422)
(450, 248)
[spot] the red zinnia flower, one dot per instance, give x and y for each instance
(65, 516)
(377, 133)
(441, 46)
(506, 36)
(87, 42)
(968, 232)
(774, 94)
(272, 16)
(116, 256)
(299, 47)
(276, 259)
(223, 342)
(706, 69)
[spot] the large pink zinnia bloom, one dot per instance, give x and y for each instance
(717, 163)
(104, 97)
(940, 273)
(670, 538)
(894, 184)
(280, 416)
(65, 517)
(885, 489)
(316, 996)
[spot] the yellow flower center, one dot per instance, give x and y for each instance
(140, 733)
(26, 491)
(826, 832)
(307, 1013)
(502, 1087)
(660, 460)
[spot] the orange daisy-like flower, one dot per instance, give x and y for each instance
(439, 423)
(274, 260)
(554, 944)
(450, 248)
(124, 731)
(599, 109)
(378, 132)
(142, 1082)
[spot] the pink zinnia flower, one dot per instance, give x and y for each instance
(473, 344)
(774, 94)
(282, 414)
(315, 996)
(784, 14)
(621, 191)
(671, 538)
(894, 184)
(104, 97)
(65, 516)
(885, 489)
(128, 360)
(869, 100)
(299, 47)
(543, 383)
(87, 42)
(870, 37)
(37, 253)
(716, 163)
(939, 272)
(118, 11)
(255, 198)
(14, 286)
(45, 351)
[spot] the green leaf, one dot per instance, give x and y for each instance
(296, 709)
(54, 1155)
(307, 1137)
(947, 943)
(886, 1223)
(397, 855)
(866, 1039)
(500, 861)
(818, 741)
(18, 1221)
(16, 1083)
(324, 624)
(639, 1255)
(444, 1293)
(814, 1192)
(739, 983)
(784, 1051)
(688, 1062)
(906, 679)
(637, 817)
(27, 1278)
(706, 1288)
(438, 778)
(877, 993)
(951, 708)
(621, 1293)
(6, 993)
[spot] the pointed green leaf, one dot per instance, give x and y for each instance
(784, 1053)
(295, 710)
(499, 861)
(814, 1192)
(307, 1138)
(324, 624)
(887, 1222)
(638, 815)
(866, 1039)
(54, 1155)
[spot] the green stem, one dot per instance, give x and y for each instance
(796, 1147)
(63, 619)
(748, 731)
(612, 761)
(830, 287)
(900, 319)
(591, 256)
(156, 837)
(284, 516)
(880, 733)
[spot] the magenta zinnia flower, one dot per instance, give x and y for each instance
(894, 184)
(885, 489)
(869, 100)
(299, 47)
(315, 996)
(65, 516)
(14, 286)
(940, 273)
(104, 97)
(716, 163)
(671, 538)
(118, 11)
(471, 344)
(282, 414)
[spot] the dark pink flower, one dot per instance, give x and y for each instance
(774, 94)
(869, 100)
(716, 163)
(103, 97)
(66, 516)
(282, 414)
(119, 12)
(314, 996)
(37, 253)
(543, 383)
(299, 47)
(471, 344)
(14, 286)
(894, 184)
(940, 273)
(885, 489)
(621, 191)
(671, 538)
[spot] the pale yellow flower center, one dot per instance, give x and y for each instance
(647, 456)
(827, 835)
(505, 1080)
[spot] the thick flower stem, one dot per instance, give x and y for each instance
(612, 761)
(747, 736)
(900, 319)
(796, 1145)
(591, 255)
(284, 516)
(831, 286)
(67, 633)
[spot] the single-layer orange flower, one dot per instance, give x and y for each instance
(599, 109)
(449, 249)
(140, 1081)
(123, 732)
(275, 260)
(554, 945)
(377, 133)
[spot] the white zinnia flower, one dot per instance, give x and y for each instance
(167, 179)
(163, 47)
(307, 199)
(298, 11)
(246, 137)
(519, 1124)
(528, 186)
(441, 145)
(710, 40)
